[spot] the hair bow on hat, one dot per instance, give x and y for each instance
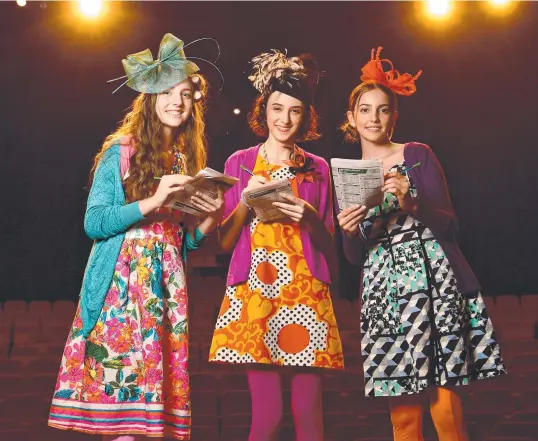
(154, 76)
(373, 72)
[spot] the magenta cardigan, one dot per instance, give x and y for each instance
(317, 193)
(434, 210)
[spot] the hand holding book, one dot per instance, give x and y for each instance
(206, 185)
(261, 198)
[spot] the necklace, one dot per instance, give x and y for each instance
(265, 157)
(178, 168)
(264, 154)
(270, 168)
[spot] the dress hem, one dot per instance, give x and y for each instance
(275, 364)
(446, 384)
(119, 432)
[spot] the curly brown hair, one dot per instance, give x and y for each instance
(351, 134)
(150, 158)
(308, 131)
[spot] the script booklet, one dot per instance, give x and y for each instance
(261, 199)
(357, 182)
(206, 181)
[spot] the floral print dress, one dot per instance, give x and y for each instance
(130, 376)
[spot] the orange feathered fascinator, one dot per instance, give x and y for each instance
(373, 72)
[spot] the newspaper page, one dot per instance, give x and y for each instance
(261, 199)
(357, 182)
(206, 181)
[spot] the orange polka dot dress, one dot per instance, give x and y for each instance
(281, 315)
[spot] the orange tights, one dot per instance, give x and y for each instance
(445, 409)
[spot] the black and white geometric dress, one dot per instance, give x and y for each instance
(418, 329)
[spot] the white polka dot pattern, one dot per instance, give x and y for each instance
(282, 173)
(284, 275)
(234, 311)
(253, 224)
(299, 315)
(232, 356)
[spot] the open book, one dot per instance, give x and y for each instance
(357, 182)
(261, 199)
(206, 181)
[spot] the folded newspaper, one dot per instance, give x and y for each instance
(357, 182)
(206, 181)
(261, 199)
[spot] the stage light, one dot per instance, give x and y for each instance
(499, 3)
(237, 111)
(21, 3)
(501, 6)
(438, 8)
(90, 8)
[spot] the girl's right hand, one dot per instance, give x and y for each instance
(255, 181)
(350, 218)
(169, 185)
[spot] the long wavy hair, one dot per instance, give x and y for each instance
(150, 158)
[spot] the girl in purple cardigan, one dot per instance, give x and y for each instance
(277, 310)
(423, 320)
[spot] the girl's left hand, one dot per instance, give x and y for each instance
(298, 210)
(398, 185)
(212, 207)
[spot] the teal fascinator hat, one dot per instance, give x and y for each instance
(144, 74)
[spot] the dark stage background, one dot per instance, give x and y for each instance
(476, 106)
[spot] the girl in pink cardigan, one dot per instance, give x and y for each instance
(277, 310)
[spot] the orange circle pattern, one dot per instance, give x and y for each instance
(267, 273)
(293, 338)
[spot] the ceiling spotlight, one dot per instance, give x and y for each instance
(438, 8)
(90, 8)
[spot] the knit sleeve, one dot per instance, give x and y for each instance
(354, 248)
(104, 216)
(434, 204)
(194, 240)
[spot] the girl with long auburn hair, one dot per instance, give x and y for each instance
(124, 372)
(425, 327)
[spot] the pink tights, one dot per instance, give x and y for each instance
(266, 394)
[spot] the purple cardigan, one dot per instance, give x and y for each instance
(318, 194)
(434, 210)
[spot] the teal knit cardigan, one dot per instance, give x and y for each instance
(106, 221)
